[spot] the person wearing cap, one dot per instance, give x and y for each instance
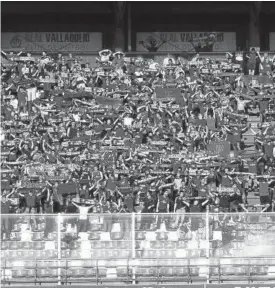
(105, 56)
(119, 59)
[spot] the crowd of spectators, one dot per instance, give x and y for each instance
(136, 135)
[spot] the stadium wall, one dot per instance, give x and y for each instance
(93, 18)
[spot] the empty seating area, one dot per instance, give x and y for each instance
(125, 271)
(157, 252)
(244, 237)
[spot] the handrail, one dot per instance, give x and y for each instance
(157, 266)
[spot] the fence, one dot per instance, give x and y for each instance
(137, 248)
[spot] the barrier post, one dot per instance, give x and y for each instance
(207, 244)
(133, 248)
(129, 26)
(59, 247)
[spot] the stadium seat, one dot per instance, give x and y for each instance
(101, 254)
(241, 271)
(76, 272)
(74, 245)
(125, 253)
(65, 254)
(27, 245)
(12, 254)
(94, 236)
(122, 271)
(194, 271)
(181, 271)
(123, 244)
(16, 227)
(116, 235)
(19, 273)
(169, 254)
(162, 236)
(75, 254)
(157, 254)
(167, 272)
(181, 244)
(52, 236)
(38, 245)
(227, 270)
(90, 273)
(4, 245)
(169, 245)
(214, 271)
(30, 273)
(148, 254)
(140, 235)
(41, 226)
(13, 245)
(110, 244)
(102, 271)
(194, 253)
(64, 245)
(156, 245)
(98, 244)
(95, 227)
(258, 271)
(43, 273)
(31, 264)
(240, 235)
(37, 236)
(4, 254)
(146, 272)
(202, 252)
(31, 254)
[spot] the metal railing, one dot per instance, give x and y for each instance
(140, 272)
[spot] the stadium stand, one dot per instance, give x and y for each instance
(136, 170)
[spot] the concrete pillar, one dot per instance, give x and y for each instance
(119, 33)
(254, 24)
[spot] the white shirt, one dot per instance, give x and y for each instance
(31, 93)
(83, 211)
(104, 58)
(241, 104)
(2, 136)
(139, 76)
(25, 70)
(128, 121)
(178, 183)
(14, 103)
(76, 117)
(154, 66)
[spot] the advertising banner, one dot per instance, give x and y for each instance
(181, 41)
(52, 41)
